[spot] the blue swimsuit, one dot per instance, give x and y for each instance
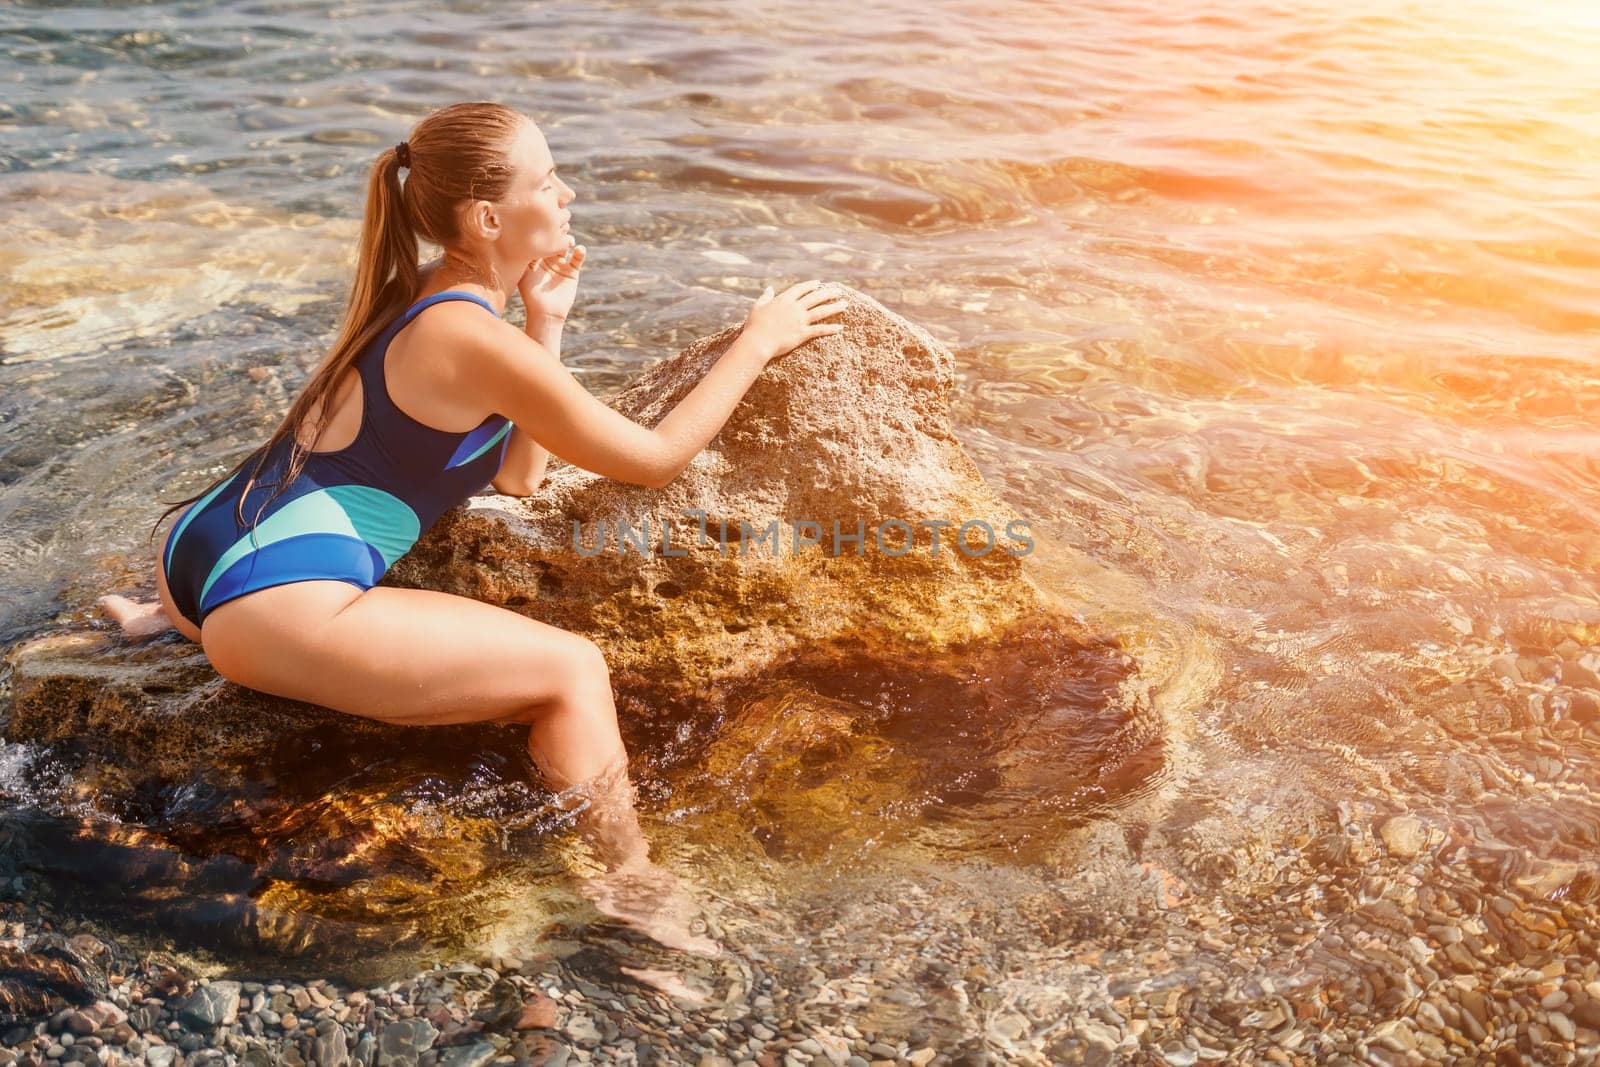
(349, 515)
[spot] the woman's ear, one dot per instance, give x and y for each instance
(481, 220)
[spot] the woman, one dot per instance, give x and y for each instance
(427, 396)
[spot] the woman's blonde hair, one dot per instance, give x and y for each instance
(457, 154)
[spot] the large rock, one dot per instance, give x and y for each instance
(851, 429)
(835, 692)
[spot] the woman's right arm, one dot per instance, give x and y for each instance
(524, 381)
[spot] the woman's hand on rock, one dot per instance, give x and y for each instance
(779, 324)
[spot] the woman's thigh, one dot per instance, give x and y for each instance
(407, 656)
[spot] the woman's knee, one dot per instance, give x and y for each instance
(583, 681)
(586, 677)
(591, 662)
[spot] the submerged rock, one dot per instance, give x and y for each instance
(48, 973)
(172, 798)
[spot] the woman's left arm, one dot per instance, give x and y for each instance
(523, 467)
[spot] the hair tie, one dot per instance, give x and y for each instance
(402, 152)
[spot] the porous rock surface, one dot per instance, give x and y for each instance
(850, 429)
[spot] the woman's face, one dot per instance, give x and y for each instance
(533, 213)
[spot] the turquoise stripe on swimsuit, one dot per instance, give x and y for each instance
(350, 514)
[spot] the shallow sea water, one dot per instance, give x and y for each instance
(1283, 315)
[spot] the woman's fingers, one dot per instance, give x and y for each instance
(827, 291)
(822, 311)
(572, 257)
(800, 288)
(562, 265)
(811, 293)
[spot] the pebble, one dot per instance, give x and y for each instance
(404, 1040)
(581, 1028)
(216, 1004)
(1388, 956)
(475, 1055)
(332, 1045)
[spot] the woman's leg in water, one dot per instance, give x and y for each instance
(419, 657)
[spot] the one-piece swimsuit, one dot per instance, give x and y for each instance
(350, 514)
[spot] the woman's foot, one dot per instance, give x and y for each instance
(136, 619)
(633, 890)
(649, 899)
(669, 982)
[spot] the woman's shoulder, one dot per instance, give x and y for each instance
(448, 342)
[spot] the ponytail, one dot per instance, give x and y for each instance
(386, 276)
(455, 155)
